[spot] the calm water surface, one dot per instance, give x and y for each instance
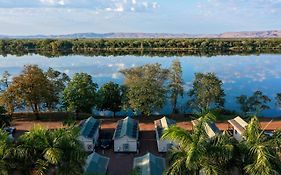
(240, 74)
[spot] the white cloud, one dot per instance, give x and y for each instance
(106, 5)
(119, 8)
(53, 2)
(155, 5)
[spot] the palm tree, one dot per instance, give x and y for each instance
(260, 153)
(74, 156)
(196, 152)
(41, 151)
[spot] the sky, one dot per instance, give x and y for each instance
(30, 17)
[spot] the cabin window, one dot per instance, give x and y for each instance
(126, 147)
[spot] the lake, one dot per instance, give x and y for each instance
(240, 74)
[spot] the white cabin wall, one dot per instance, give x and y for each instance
(118, 144)
(88, 144)
(237, 135)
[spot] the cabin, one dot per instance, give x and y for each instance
(89, 133)
(149, 164)
(160, 126)
(126, 135)
(210, 128)
(96, 164)
(237, 128)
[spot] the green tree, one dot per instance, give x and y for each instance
(58, 81)
(196, 152)
(278, 100)
(175, 83)
(110, 97)
(145, 87)
(80, 93)
(260, 153)
(206, 92)
(254, 104)
(29, 88)
(9, 99)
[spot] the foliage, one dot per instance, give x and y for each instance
(2, 110)
(135, 171)
(9, 101)
(31, 87)
(34, 89)
(206, 92)
(253, 104)
(4, 80)
(175, 83)
(55, 151)
(261, 155)
(110, 97)
(145, 46)
(5, 165)
(278, 99)
(80, 93)
(145, 88)
(58, 82)
(196, 152)
(4, 119)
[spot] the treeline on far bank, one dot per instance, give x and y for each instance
(139, 47)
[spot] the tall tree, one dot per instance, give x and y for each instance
(58, 81)
(10, 100)
(254, 104)
(145, 88)
(29, 88)
(206, 93)
(175, 83)
(110, 97)
(80, 93)
(196, 152)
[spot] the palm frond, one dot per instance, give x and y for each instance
(177, 158)
(53, 155)
(178, 135)
(253, 131)
(261, 164)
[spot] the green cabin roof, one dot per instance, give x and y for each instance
(126, 127)
(90, 127)
(96, 164)
(149, 164)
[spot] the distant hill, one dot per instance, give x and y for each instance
(259, 34)
(250, 34)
